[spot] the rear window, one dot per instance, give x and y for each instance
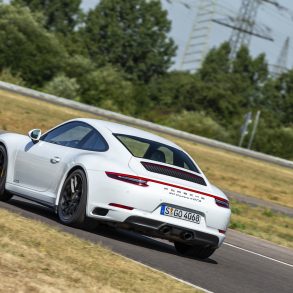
(155, 151)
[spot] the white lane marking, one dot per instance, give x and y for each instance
(166, 274)
(261, 255)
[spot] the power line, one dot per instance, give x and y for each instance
(244, 25)
(198, 41)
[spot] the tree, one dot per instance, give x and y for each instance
(216, 63)
(217, 95)
(278, 99)
(132, 35)
(249, 76)
(59, 15)
(26, 48)
(231, 88)
(173, 92)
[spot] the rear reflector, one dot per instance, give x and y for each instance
(128, 178)
(222, 231)
(221, 202)
(121, 206)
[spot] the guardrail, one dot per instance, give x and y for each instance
(142, 123)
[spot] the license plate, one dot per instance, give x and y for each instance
(180, 214)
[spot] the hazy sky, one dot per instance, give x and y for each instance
(280, 22)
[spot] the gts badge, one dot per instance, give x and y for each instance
(16, 181)
(184, 194)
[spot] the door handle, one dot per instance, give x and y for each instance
(55, 160)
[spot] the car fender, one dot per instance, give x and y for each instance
(70, 167)
(92, 162)
(11, 142)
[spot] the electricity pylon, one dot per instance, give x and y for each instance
(282, 63)
(198, 42)
(244, 25)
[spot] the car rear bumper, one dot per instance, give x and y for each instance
(171, 232)
(158, 226)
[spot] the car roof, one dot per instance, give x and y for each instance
(126, 130)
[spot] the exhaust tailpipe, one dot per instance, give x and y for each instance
(187, 236)
(165, 230)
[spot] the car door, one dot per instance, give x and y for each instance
(41, 166)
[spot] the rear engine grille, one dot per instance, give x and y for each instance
(168, 171)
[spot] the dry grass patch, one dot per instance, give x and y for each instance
(20, 114)
(227, 170)
(35, 257)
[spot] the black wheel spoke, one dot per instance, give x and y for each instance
(71, 196)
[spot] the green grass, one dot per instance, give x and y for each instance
(262, 223)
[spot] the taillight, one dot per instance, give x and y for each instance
(128, 178)
(222, 203)
(222, 231)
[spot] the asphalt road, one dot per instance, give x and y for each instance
(243, 264)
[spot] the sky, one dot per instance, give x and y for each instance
(280, 22)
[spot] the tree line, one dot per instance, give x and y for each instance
(118, 56)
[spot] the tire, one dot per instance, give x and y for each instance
(197, 251)
(73, 198)
(4, 195)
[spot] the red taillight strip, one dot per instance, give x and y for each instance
(112, 174)
(128, 178)
(121, 206)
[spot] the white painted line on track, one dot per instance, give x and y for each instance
(161, 272)
(258, 254)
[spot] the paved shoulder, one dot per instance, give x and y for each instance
(253, 201)
(259, 246)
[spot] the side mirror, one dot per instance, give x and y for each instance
(35, 135)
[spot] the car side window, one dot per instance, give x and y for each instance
(94, 142)
(77, 135)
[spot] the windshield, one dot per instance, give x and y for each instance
(155, 151)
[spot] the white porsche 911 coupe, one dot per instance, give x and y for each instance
(119, 175)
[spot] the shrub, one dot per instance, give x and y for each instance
(268, 213)
(198, 123)
(108, 88)
(275, 141)
(237, 225)
(7, 76)
(62, 86)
